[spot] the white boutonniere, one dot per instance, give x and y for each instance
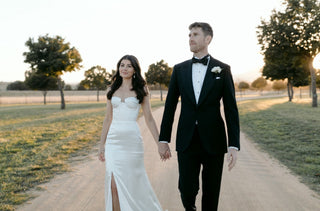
(216, 69)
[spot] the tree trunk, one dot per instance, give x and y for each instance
(310, 91)
(98, 95)
(44, 97)
(313, 87)
(63, 104)
(161, 93)
(300, 93)
(290, 90)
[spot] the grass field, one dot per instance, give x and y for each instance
(37, 141)
(290, 132)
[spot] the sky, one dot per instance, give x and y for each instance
(105, 30)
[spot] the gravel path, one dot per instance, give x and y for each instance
(258, 182)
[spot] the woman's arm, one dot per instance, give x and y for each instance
(146, 108)
(105, 128)
(163, 148)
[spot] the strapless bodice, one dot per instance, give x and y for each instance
(128, 110)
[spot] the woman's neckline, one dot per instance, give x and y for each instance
(124, 99)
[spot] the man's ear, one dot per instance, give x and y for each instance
(208, 39)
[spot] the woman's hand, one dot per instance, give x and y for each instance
(164, 151)
(101, 155)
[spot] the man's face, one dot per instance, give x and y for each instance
(197, 40)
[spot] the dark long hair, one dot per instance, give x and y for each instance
(138, 83)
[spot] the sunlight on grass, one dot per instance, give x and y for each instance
(260, 104)
(289, 131)
(37, 142)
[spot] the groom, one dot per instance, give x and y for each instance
(201, 82)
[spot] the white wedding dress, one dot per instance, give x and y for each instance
(125, 160)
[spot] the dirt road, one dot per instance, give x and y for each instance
(257, 183)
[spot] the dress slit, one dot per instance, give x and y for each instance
(108, 193)
(116, 190)
(109, 199)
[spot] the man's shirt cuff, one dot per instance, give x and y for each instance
(236, 148)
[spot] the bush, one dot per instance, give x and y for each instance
(17, 85)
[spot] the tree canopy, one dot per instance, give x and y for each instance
(40, 81)
(17, 85)
(278, 85)
(243, 85)
(159, 73)
(96, 78)
(51, 57)
(259, 83)
(289, 41)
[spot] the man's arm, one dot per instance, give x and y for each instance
(232, 119)
(170, 108)
(231, 110)
(168, 117)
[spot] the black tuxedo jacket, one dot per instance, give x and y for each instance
(206, 113)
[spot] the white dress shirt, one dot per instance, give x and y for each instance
(198, 73)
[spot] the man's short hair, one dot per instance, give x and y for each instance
(206, 28)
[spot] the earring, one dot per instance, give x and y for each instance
(134, 75)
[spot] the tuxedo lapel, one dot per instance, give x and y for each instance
(189, 85)
(208, 81)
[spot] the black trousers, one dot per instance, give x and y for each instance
(190, 162)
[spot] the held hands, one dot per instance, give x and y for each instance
(232, 158)
(164, 151)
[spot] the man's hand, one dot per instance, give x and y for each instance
(232, 158)
(164, 151)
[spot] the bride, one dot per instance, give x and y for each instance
(121, 146)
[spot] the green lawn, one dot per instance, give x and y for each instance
(288, 131)
(36, 142)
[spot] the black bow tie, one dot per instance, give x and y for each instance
(203, 61)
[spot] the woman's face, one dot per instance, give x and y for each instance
(126, 69)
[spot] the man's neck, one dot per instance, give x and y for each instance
(200, 55)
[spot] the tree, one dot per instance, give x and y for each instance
(243, 86)
(17, 85)
(278, 85)
(81, 86)
(39, 81)
(159, 73)
(51, 57)
(259, 83)
(318, 79)
(290, 41)
(96, 78)
(281, 65)
(68, 87)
